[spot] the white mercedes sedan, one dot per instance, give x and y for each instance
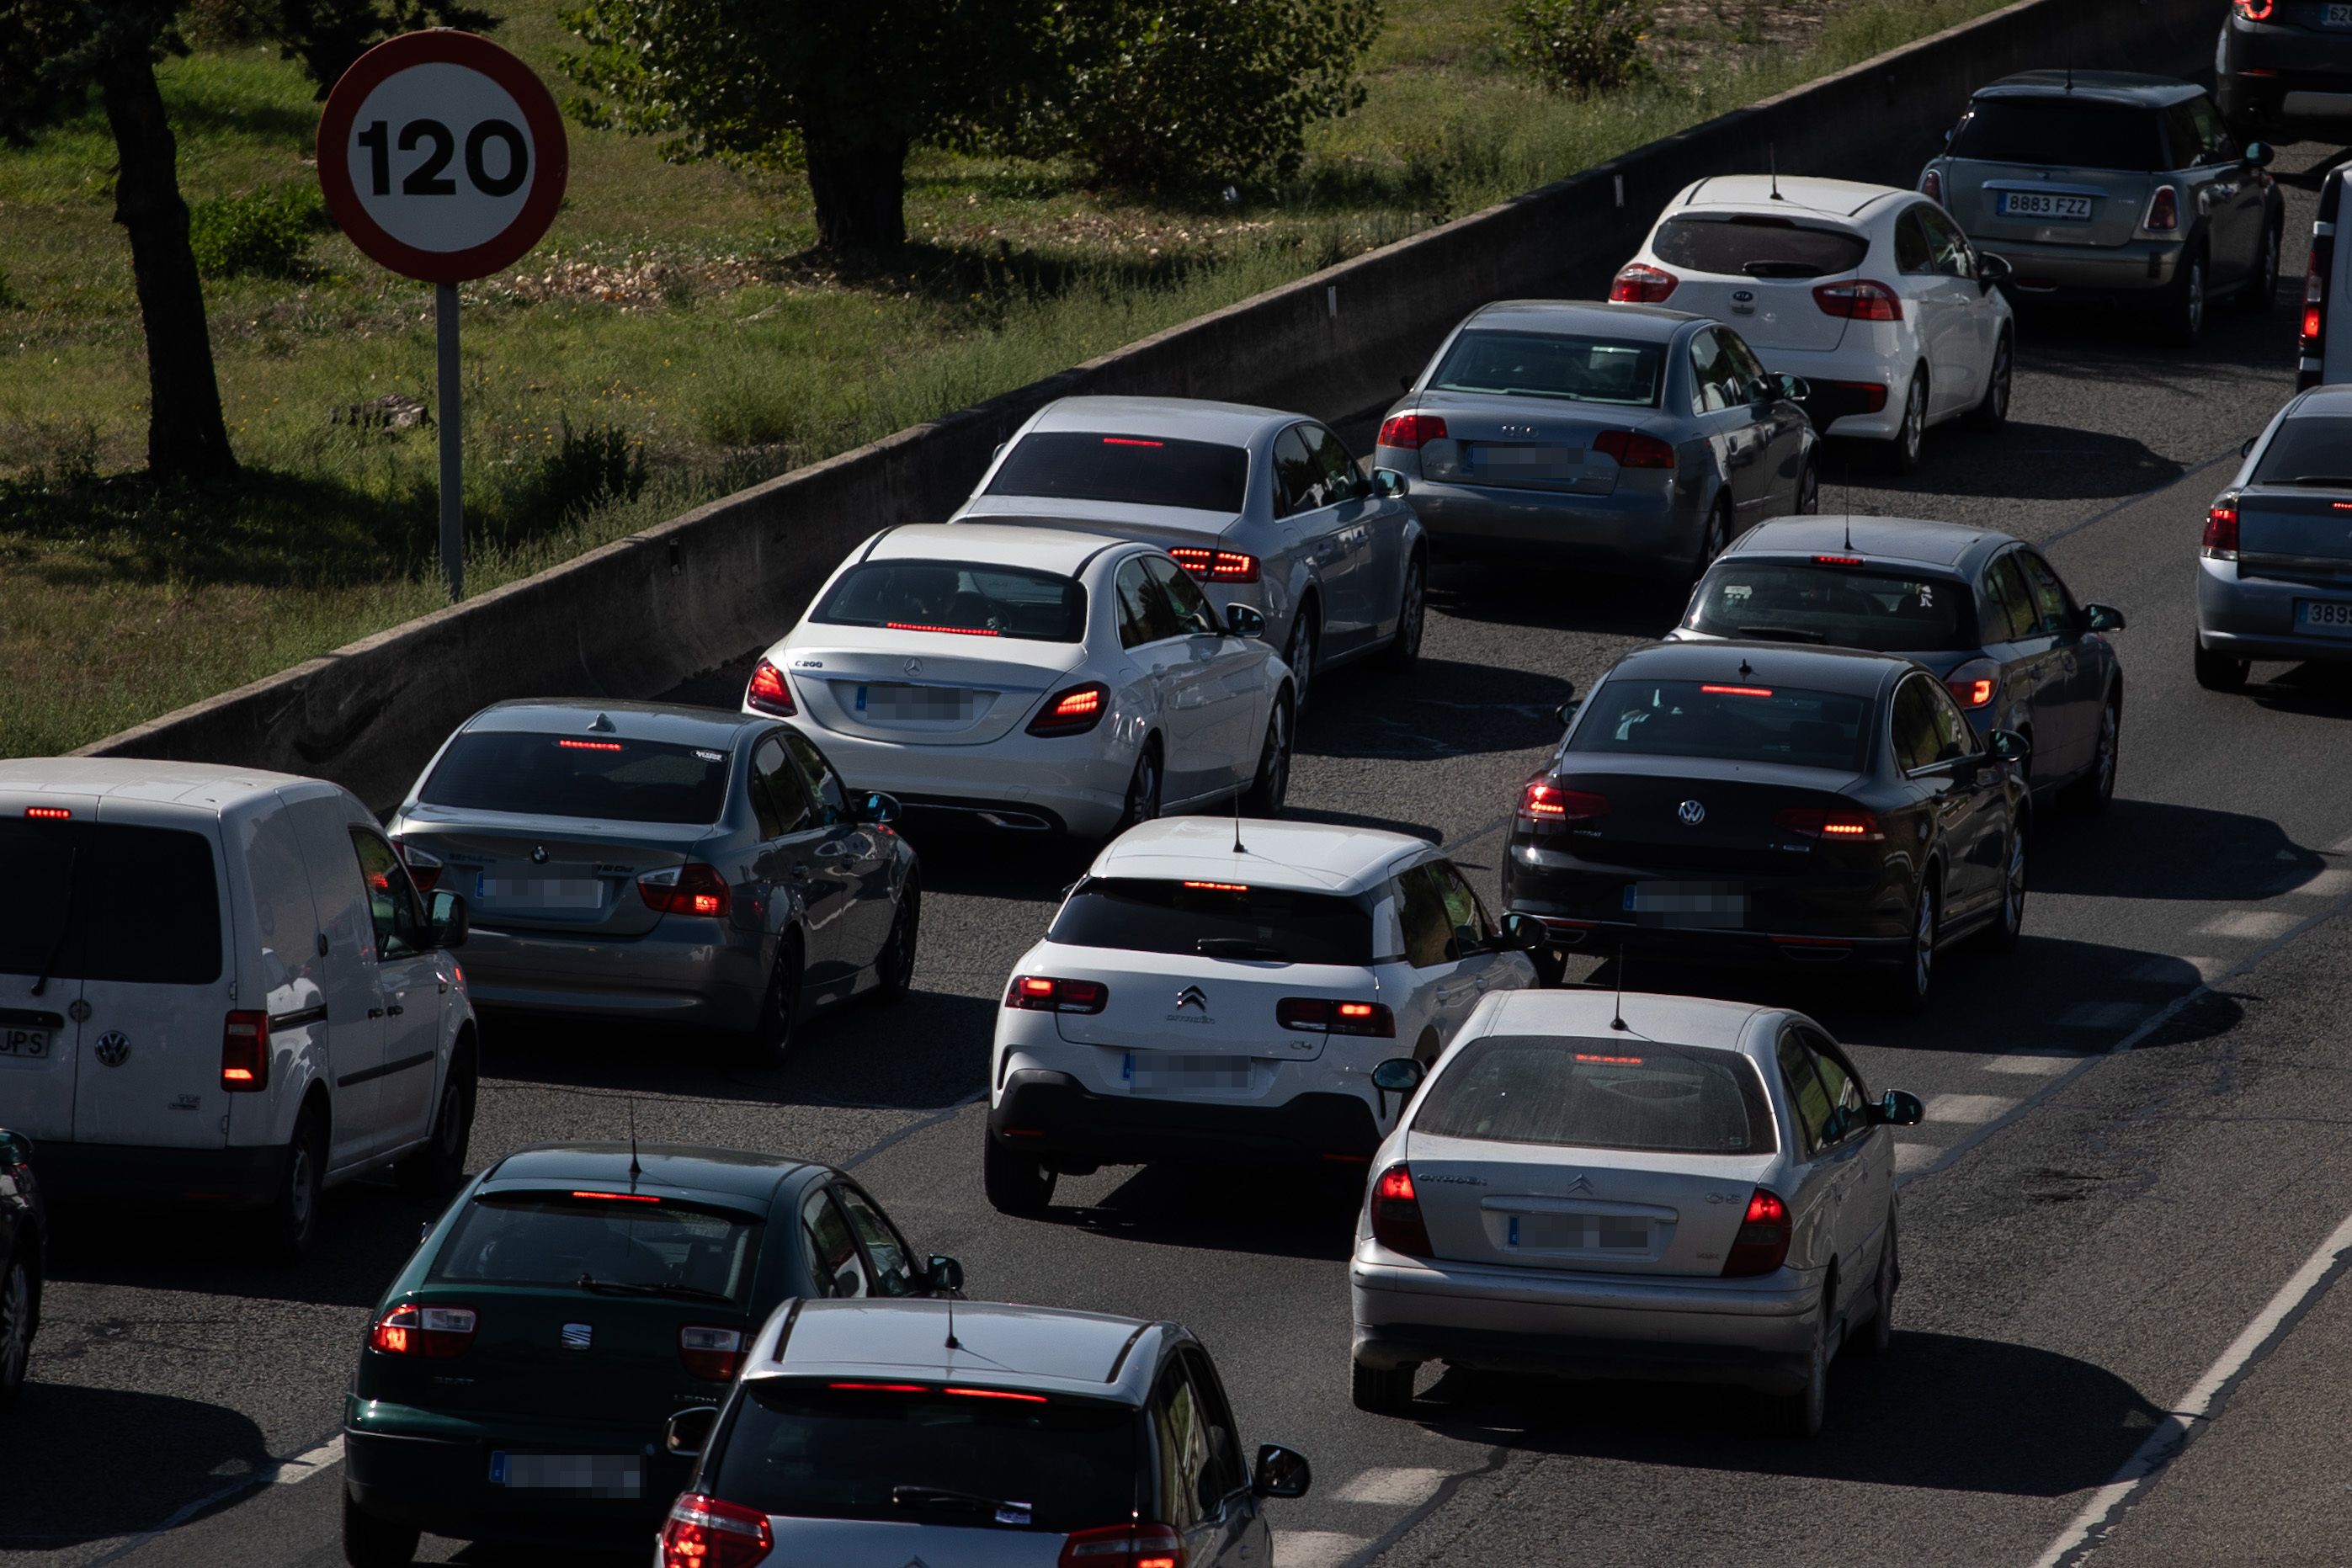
(1639, 1187)
(1036, 679)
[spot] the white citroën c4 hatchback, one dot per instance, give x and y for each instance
(1193, 1001)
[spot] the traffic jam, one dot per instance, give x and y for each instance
(1576, 1143)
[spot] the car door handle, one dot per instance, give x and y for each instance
(375, 1012)
(394, 1010)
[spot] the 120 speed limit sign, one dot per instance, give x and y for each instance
(442, 156)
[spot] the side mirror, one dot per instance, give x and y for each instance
(450, 920)
(1399, 1075)
(1897, 1109)
(15, 1150)
(1405, 384)
(1281, 1472)
(2103, 618)
(1524, 933)
(1243, 621)
(2246, 447)
(1992, 270)
(2258, 154)
(1388, 483)
(1796, 388)
(878, 807)
(688, 1431)
(943, 1273)
(2010, 747)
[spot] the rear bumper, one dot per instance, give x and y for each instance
(232, 1177)
(2310, 89)
(715, 976)
(2254, 617)
(1053, 1116)
(2082, 273)
(1844, 410)
(433, 1474)
(1830, 917)
(1075, 783)
(1640, 533)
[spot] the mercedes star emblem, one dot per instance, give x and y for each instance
(1692, 813)
(1193, 996)
(914, 666)
(113, 1048)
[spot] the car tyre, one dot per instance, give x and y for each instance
(1991, 411)
(434, 1171)
(2091, 792)
(2220, 673)
(293, 1213)
(1382, 1391)
(1015, 1183)
(1910, 981)
(1716, 540)
(1911, 438)
(1800, 1413)
(769, 1042)
(1143, 788)
(370, 1542)
(2184, 302)
(1299, 654)
(894, 966)
(20, 1314)
(1403, 649)
(2261, 290)
(2003, 935)
(1271, 784)
(1809, 487)
(1880, 1333)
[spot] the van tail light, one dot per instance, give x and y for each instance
(1073, 712)
(1859, 300)
(1855, 826)
(2221, 530)
(1931, 185)
(1329, 1017)
(1762, 1244)
(1632, 449)
(689, 889)
(1641, 284)
(1397, 1224)
(2315, 308)
(768, 691)
(245, 1052)
(1216, 565)
(1412, 431)
(1975, 683)
(704, 1532)
(1047, 994)
(424, 866)
(1544, 802)
(437, 1334)
(711, 1352)
(2163, 212)
(1124, 1546)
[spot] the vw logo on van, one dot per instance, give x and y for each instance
(113, 1048)
(1692, 812)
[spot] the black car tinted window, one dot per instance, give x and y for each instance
(2061, 132)
(555, 1238)
(1914, 255)
(1730, 720)
(2005, 587)
(1715, 379)
(1626, 1094)
(578, 776)
(1758, 246)
(1553, 365)
(1810, 1104)
(2313, 449)
(1844, 607)
(105, 901)
(1916, 743)
(1128, 470)
(847, 1449)
(954, 596)
(1141, 916)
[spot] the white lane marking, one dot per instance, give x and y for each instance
(1397, 1486)
(2254, 924)
(1910, 1156)
(2333, 883)
(1972, 1109)
(2101, 1015)
(1315, 1548)
(2032, 1064)
(2185, 1420)
(302, 1467)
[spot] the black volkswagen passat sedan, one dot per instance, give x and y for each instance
(1751, 802)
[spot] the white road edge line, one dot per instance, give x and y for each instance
(2194, 1413)
(302, 1467)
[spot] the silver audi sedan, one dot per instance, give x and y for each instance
(1640, 1187)
(1624, 437)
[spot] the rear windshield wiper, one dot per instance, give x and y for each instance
(1238, 947)
(949, 1498)
(1782, 635)
(617, 1288)
(65, 925)
(2338, 480)
(1781, 269)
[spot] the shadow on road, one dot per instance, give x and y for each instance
(2150, 849)
(1269, 1213)
(366, 1228)
(88, 1464)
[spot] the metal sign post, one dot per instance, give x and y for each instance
(453, 442)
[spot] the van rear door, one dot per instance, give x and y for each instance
(39, 992)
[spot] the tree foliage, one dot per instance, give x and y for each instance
(1580, 45)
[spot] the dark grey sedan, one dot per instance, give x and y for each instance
(1983, 610)
(663, 865)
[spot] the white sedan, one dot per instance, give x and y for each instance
(1033, 678)
(1872, 295)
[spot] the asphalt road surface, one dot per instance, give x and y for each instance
(2116, 1225)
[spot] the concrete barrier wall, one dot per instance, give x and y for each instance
(641, 614)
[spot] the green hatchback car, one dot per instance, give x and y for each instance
(518, 1378)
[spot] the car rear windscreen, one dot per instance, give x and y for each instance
(1556, 365)
(1126, 470)
(951, 596)
(1224, 920)
(1628, 1094)
(1758, 246)
(107, 901)
(2310, 449)
(1731, 720)
(865, 1449)
(624, 1244)
(2061, 132)
(1844, 607)
(587, 777)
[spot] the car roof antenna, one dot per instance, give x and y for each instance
(1237, 824)
(1849, 520)
(1617, 1021)
(953, 1342)
(1773, 157)
(635, 1170)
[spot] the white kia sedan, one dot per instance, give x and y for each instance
(1036, 679)
(1872, 295)
(1643, 1188)
(1220, 990)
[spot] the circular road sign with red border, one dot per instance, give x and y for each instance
(442, 156)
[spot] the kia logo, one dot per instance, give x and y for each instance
(1692, 813)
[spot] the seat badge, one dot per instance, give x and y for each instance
(1692, 812)
(579, 1336)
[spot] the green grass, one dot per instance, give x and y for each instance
(677, 305)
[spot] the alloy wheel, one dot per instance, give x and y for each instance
(2110, 723)
(1142, 791)
(1410, 615)
(1300, 657)
(1914, 423)
(2193, 322)
(1923, 944)
(301, 1187)
(2013, 910)
(15, 1328)
(1809, 490)
(1273, 784)
(2003, 373)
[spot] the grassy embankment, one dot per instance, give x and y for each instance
(674, 309)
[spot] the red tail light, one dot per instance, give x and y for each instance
(1762, 1244)
(1632, 449)
(1641, 284)
(48, 813)
(1124, 1546)
(424, 866)
(1847, 826)
(768, 691)
(1546, 802)
(1972, 691)
(715, 1354)
(685, 890)
(1397, 1224)
(1216, 565)
(1073, 712)
(2315, 295)
(1045, 994)
(2255, 10)
(437, 1334)
(245, 1052)
(704, 1532)
(2221, 530)
(1859, 300)
(1931, 185)
(1412, 431)
(1319, 1014)
(2163, 211)
(1838, 560)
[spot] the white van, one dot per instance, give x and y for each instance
(2324, 352)
(218, 985)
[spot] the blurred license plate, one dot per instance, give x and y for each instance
(24, 1043)
(2340, 16)
(541, 892)
(598, 1475)
(1578, 1233)
(914, 702)
(1167, 1070)
(1689, 903)
(2042, 204)
(2322, 617)
(1524, 462)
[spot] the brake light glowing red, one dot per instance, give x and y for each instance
(618, 1197)
(1838, 561)
(1611, 1061)
(704, 1532)
(1123, 1546)
(590, 745)
(1737, 691)
(1073, 712)
(1412, 431)
(1859, 300)
(245, 1052)
(2312, 326)
(1543, 802)
(1641, 284)
(48, 813)
(685, 890)
(1220, 886)
(2220, 541)
(1762, 1243)
(768, 691)
(878, 1387)
(2254, 11)
(995, 1393)
(1972, 693)
(1395, 1209)
(2163, 211)
(714, 1354)
(1130, 441)
(1853, 826)
(1216, 565)
(950, 631)
(434, 1332)
(1368, 1020)
(1047, 994)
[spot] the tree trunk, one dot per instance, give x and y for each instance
(186, 436)
(861, 193)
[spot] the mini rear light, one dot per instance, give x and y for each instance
(1872, 394)
(1851, 827)
(713, 1354)
(2221, 530)
(1931, 185)
(690, 889)
(1412, 431)
(1047, 994)
(1124, 1546)
(1216, 565)
(2163, 211)
(1838, 561)
(1323, 1014)
(1633, 449)
(704, 1532)
(435, 1333)
(1397, 1224)
(1859, 300)
(48, 813)
(1073, 712)
(1543, 802)
(245, 1052)
(1642, 283)
(2254, 11)
(768, 691)
(424, 866)
(1762, 1244)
